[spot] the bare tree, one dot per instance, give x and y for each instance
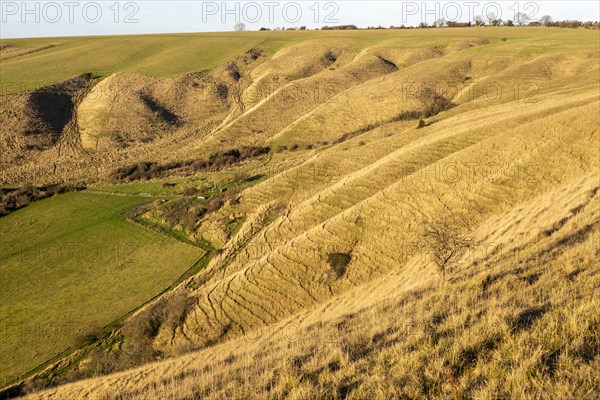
(545, 20)
(491, 17)
(237, 93)
(479, 20)
(239, 27)
(521, 18)
(447, 238)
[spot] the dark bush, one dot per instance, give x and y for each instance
(190, 191)
(12, 199)
(437, 105)
(233, 71)
(222, 91)
(329, 56)
(199, 165)
(339, 263)
(140, 171)
(215, 203)
(91, 335)
(191, 218)
(216, 161)
(255, 53)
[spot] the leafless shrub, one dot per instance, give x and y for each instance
(447, 238)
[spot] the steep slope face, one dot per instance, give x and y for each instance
(35, 121)
(126, 110)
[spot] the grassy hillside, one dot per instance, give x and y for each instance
(57, 59)
(71, 265)
(397, 213)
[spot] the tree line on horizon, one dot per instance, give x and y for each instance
(521, 19)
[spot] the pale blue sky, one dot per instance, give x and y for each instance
(65, 18)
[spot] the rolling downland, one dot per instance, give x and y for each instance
(321, 281)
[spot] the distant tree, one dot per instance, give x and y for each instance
(239, 27)
(479, 21)
(491, 16)
(546, 20)
(509, 23)
(521, 18)
(496, 22)
(302, 28)
(440, 23)
(423, 25)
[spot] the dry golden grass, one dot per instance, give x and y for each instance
(518, 319)
(270, 317)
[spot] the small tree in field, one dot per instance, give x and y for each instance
(239, 27)
(447, 238)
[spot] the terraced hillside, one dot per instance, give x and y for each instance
(410, 214)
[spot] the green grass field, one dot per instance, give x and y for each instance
(72, 264)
